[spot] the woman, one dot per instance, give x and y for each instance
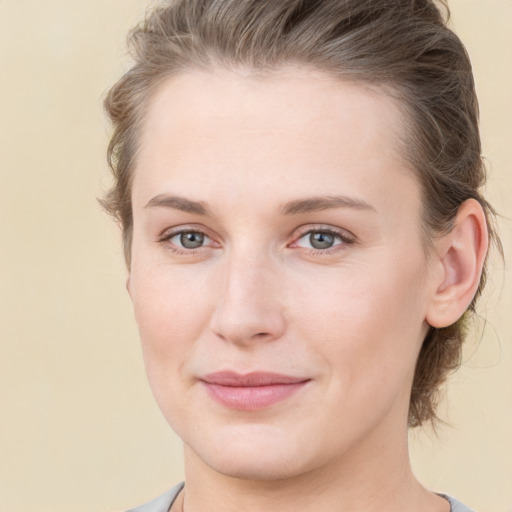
(298, 187)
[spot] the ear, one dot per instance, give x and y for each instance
(128, 289)
(459, 255)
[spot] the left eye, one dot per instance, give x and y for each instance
(189, 239)
(319, 240)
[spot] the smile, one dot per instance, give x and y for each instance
(253, 391)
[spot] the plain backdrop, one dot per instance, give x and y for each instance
(79, 430)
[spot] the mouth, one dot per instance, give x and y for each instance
(252, 391)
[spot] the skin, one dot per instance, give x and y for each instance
(245, 155)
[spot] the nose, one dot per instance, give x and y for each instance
(249, 308)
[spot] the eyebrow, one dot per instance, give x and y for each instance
(317, 204)
(178, 203)
(308, 205)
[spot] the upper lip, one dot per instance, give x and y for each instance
(230, 378)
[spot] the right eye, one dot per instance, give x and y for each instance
(186, 241)
(189, 239)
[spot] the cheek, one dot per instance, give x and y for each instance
(368, 323)
(171, 311)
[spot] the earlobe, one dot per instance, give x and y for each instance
(461, 255)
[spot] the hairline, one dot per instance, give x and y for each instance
(386, 89)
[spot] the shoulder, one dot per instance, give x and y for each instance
(456, 506)
(162, 503)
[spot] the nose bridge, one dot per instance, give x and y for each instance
(249, 306)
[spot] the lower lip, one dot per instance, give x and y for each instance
(252, 398)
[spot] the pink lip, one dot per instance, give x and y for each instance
(253, 391)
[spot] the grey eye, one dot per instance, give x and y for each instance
(321, 240)
(191, 239)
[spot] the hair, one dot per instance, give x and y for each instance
(402, 47)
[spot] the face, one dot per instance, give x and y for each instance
(278, 275)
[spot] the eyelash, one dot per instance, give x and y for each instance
(344, 238)
(166, 236)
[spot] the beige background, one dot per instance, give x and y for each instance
(78, 428)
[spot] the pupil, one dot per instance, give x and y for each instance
(321, 240)
(191, 240)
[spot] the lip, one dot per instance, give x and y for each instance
(253, 391)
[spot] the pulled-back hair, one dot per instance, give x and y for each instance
(402, 47)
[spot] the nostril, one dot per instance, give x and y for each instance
(243, 337)
(261, 335)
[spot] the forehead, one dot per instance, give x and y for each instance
(307, 102)
(298, 128)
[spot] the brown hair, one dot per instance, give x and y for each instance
(402, 46)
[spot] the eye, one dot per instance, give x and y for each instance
(322, 239)
(185, 240)
(189, 239)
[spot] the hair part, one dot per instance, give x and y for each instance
(402, 47)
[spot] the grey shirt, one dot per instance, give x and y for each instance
(163, 503)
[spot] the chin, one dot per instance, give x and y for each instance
(266, 453)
